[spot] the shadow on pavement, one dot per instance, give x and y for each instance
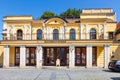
(110, 71)
(115, 78)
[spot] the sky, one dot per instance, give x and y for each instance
(37, 7)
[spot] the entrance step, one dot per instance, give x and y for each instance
(55, 67)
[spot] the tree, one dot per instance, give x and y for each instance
(71, 13)
(68, 13)
(47, 14)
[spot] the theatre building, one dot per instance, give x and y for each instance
(89, 40)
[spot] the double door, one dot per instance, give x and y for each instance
(51, 54)
(80, 56)
(30, 56)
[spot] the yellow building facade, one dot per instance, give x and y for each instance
(88, 40)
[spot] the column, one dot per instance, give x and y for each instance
(24, 32)
(6, 57)
(106, 55)
(99, 31)
(39, 55)
(87, 35)
(30, 32)
(22, 56)
(89, 56)
(80, 31)
(71, 56)
(105, 31)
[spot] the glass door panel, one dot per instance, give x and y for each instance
(17, 56)
(94, 56)
(30, 56)
(51, 54)
(63, 57)
(78, 56)
(27, 56)
(83, 56)
(49, 58)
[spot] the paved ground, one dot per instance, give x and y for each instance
(58, 74)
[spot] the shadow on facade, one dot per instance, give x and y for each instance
(116, 54)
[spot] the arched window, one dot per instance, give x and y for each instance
(72, 34)
(92, 34)
(39, 34)
(19, 34)
(55, 34)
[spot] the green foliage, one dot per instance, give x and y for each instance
(68, 13)
(71, 13)
(48, 14)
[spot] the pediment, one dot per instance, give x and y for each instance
(55, 20)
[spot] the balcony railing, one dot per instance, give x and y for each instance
(59, 37)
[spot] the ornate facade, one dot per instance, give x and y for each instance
(88, 40)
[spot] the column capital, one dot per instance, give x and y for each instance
(71, 45)
(107, 45)
(89, 45)
(39, 46)
(6, 46)
(22, 46)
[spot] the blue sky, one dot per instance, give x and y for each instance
(37, 7)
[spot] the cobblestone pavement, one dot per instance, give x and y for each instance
(58, 74)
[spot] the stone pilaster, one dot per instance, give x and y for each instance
(24, 32)
(89, 56)
(99, 31)
(6, 57)
(87, 35)
(8, 33)
(30, 32)
(61, 37)
(22, 56)
(105, 31)
(13, 30)
(71, 56)
(39, 54)
(81, 31)
(106, 55)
